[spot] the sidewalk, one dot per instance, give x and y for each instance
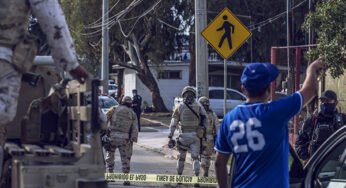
(154, 136)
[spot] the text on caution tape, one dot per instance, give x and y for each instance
(160, 178)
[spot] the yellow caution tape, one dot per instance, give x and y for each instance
(160, 178)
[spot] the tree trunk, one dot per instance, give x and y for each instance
(192, 67)
(148, 80)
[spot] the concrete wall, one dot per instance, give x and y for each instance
(339, 87)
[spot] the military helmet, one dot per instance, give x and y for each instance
(186, 89)
(126, 99)
(203, 100)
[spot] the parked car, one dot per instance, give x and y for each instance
(216, 99)
(112, 90)
(325, 169)
(106, 102)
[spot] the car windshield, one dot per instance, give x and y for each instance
(107, 102)
(112, 87)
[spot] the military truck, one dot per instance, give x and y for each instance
(54, 140)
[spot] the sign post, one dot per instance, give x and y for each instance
(226, 33)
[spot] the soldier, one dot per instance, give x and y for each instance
(317, 128)
(211, 132)
(136, 105)
(17, 49)
(123, 132)
(191, 118)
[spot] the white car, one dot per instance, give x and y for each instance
(216, 100)
(112, 90)
(106, 102)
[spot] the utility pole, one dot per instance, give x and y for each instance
(310, 31)
(201, 49)
(105, 45)
(288, 23)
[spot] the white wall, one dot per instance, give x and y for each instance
(129, 81)
(169, 88)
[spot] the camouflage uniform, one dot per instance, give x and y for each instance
(208, 143)
(123, 132)
(188, 124)
(13, 26)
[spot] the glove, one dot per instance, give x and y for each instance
(80, 74)
(171, 143)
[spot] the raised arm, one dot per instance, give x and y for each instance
(309, 89)
(53, 25)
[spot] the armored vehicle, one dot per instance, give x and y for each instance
(54, 140)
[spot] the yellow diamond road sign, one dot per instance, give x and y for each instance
(226, 33)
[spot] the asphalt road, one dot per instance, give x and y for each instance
(149, 162)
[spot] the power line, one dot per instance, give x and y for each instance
(145, 13)
(92, 24)
(270, 20)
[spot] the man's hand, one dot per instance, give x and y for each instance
(80, 74)
(318, 64)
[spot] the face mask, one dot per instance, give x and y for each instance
(328, 108)
(206, 107)
(134, 94)
(189, 98)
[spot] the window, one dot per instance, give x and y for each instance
(231, 95)
(331, 168)
(107, 102)
(170, 74)
(234, 96)
(216, 94)
(112, 87)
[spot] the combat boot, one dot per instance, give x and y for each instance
(180, 173)
(126, 183)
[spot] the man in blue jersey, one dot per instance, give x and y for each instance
(256, 132)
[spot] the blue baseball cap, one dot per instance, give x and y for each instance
(257, 76)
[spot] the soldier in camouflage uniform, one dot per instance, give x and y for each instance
(185, 116)
(123, 132)
(211, 132)
(17, 49)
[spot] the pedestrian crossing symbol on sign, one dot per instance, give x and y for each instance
(226, 33)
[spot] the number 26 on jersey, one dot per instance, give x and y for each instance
(239, 129)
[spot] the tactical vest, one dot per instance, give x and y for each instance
(122, 119)
(210, 128)
(323, 129)
(188, 120)
(15, 23)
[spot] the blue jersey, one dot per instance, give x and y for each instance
(257, 135)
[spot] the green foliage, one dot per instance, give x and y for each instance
(329, 22)
(81, 14)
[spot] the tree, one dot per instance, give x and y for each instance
(328, 21)
(135, 32)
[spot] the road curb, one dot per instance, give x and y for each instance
(155, 122)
